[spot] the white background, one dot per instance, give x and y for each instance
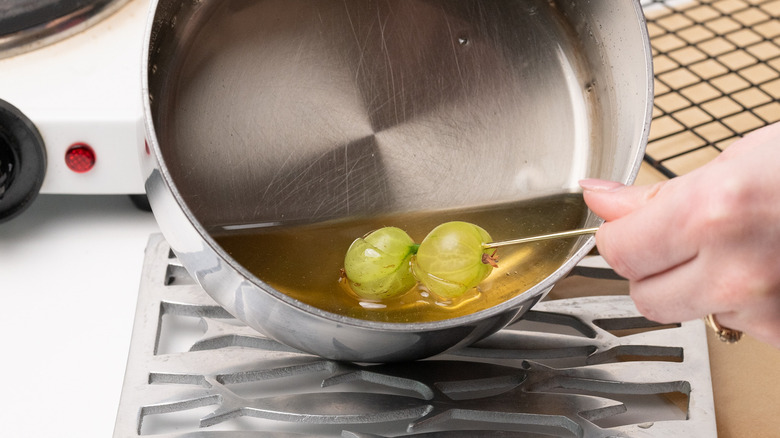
(70, 267)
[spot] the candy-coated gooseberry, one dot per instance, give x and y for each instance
(452, 260)
(377, 266)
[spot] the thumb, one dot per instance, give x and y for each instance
(612, 200)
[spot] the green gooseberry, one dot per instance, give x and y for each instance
(378, 265)
(451, 259)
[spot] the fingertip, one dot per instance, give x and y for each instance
(599, 194)
(600, 185)
(610, 200)
(601, 203)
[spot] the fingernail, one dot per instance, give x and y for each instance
(600, 185)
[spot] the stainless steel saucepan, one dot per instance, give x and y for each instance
(279, 130)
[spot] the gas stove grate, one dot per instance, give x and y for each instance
(717, 77)
(585, 367)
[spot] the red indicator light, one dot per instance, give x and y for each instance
(80, 158)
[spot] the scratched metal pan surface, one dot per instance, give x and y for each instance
(284, 113)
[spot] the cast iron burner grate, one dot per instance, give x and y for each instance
(584, 367)
(717, 77)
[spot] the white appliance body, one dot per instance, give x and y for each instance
(85, 89)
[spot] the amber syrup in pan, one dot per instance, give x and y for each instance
(304, 261)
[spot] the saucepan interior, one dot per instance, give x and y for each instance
(281, 130)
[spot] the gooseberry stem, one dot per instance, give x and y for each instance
(559, 235)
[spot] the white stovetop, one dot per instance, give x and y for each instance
(70, 268)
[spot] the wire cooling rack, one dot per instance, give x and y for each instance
(717, 77)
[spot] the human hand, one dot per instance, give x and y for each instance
(707, 242)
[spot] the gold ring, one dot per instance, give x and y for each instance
(725, 334)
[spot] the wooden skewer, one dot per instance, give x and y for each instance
(559, 235)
